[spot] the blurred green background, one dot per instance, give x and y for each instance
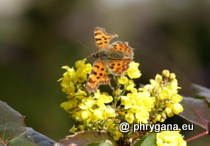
(38, 37)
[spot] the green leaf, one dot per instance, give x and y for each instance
(196, 111)
(149, 140)
(11, 124)
(13, 132)
(85, 138)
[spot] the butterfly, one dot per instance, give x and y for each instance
(116, 57)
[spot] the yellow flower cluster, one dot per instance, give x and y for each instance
(170, 138)
(158, 99)
(72, 78)
(137, 106)
(151, 103)
(165, 90)
(93, 110)
(74, 99)
(89, 109)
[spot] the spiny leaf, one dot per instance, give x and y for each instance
(196, 111)
(13, 132)
(11, 124)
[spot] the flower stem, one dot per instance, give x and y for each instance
(197, 136)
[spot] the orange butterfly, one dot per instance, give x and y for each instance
(116, 57)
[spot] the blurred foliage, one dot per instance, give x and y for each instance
(38, 37)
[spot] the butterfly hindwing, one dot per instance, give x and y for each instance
(122, 47)
(118, 67)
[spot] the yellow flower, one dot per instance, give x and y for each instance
(68, 86)
(129, 117)
(109, 112)
(142, 115)
(168, 111)
(82, 70)
(130, 85)
(164, 94)
(86, 68)
(158, 79)
(67, 82)
(133, 90)
(97, 115)
(176, 98)
(66, 106)
(172, 76)
(85, 114)
(170, 138)
(104, 98)
(165, 73)
(80, 63)
(70, 74)
(157, 118)
(73, 129)
(133, 71)
(177, 108)
(123, 80)
(80, 94)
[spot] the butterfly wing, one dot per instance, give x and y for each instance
(122, 48)
(102, 39)
(97, 76)
(118, 67)
(121, 55)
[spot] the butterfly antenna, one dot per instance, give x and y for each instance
(84, 47)
(82, 44)
(88, 56)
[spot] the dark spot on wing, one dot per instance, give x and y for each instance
(97, 66)
(97, 39)
(93, 72)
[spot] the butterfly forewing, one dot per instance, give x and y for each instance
(97, 76)
(102, 39)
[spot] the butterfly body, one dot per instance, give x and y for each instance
(116, 57)
(108, 55)
(104, 55)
